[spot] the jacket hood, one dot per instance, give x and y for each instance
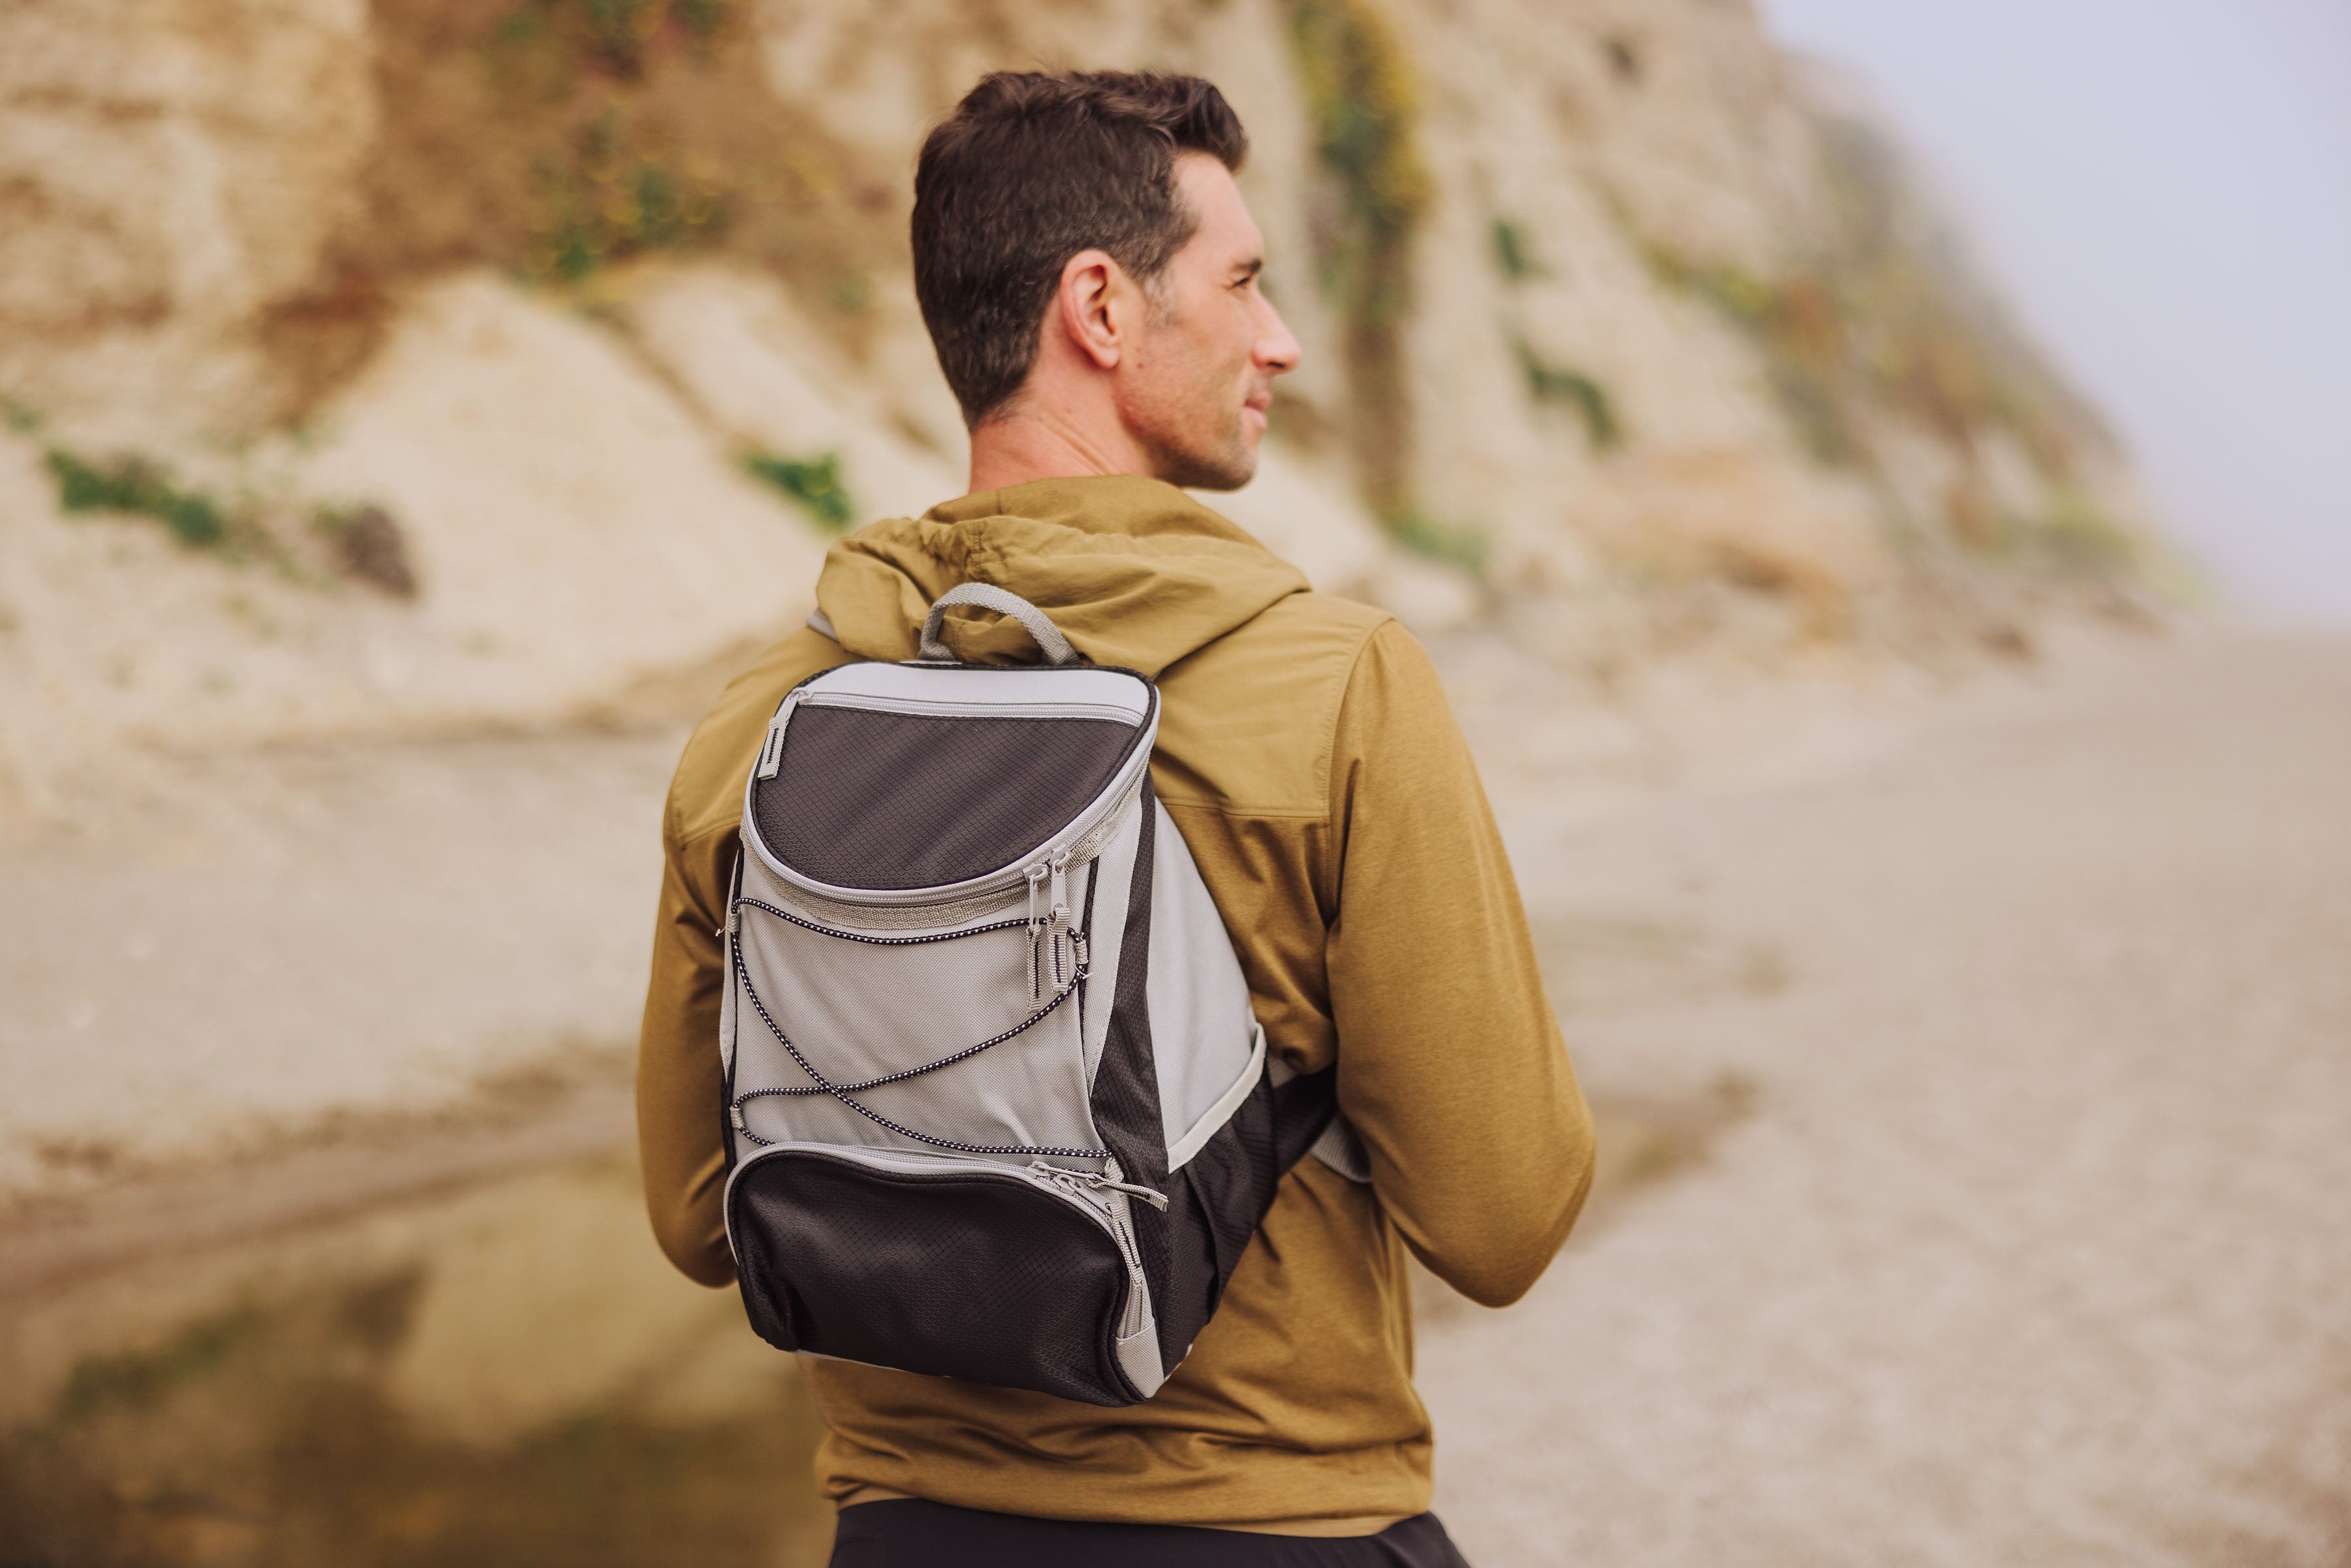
(1133, 572)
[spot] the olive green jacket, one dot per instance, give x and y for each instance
(1307, 753)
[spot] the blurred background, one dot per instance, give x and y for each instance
(1866, 472)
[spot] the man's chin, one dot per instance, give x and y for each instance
(1226, 470)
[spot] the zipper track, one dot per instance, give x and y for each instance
(734, 921)
(923, 1165)
(946, 709)
(824, 900)
(838, 1091)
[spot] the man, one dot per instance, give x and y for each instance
(1090, 275)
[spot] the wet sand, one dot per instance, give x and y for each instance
(501, 1372)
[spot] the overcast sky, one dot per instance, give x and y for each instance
(2165, 187)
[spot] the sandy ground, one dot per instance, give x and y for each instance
(225, 948)
(1974, 1073)
(2034, 1241)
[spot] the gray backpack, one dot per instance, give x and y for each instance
(997, 1105)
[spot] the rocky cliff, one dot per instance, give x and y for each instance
(422, 363)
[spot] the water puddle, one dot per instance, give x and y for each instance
(507, 1375)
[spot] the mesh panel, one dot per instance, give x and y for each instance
(954, 1274)
(1216, 1202)
(1221, 1199)
(893, 801)
(1126, 1098)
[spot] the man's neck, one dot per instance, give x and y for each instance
(1040, 444)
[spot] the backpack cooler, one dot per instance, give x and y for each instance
(997, 1105)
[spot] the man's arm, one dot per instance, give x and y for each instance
(679, 1086)
(1451, 1062)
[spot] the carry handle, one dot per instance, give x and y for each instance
(987, 596)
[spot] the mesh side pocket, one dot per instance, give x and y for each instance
(970, 1274)
(1215, 1205)
(892, 801)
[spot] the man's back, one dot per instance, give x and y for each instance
(1306, 754)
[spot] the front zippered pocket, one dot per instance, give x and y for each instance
(1002, 1274)
(1113, 1196)
(946, 788)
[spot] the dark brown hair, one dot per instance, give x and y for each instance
(1032, 168)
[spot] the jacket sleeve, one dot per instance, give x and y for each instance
(1451, 1066)
(679, 1083)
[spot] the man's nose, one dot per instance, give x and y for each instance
(1276, 352)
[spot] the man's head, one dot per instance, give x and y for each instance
(1085, 262)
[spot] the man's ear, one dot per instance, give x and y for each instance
(1091, 281)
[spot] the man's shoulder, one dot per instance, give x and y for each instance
(1246, 723)
(706, 794)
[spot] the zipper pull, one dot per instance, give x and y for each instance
(1150, 1195)
(1037, 875)
(1087, 1181)
(1057, 926)
(771, 755)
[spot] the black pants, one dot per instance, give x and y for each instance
(907, 1533)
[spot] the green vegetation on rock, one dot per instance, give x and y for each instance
(1885, 317)
(612, 202)
(557, 139)
(1512, 253)
(1454, 547)
(1363, 104)
(2073, 535)
(134, 485)
(1550, 383)
(1799, 326)
(813, 483)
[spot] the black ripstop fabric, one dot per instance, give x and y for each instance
(1214, 1206)
(1125, 1096)
(1304, 1110)
(894, 801)
(984, 1278)
(1217, 1201)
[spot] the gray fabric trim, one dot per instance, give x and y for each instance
(1201, 1026)
(1138, 1354)
(987, 596)
(822, 624)
(1180, 1152)
(882, 917)
(984, 688)
(1221, 1110)
(1338, 1147)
